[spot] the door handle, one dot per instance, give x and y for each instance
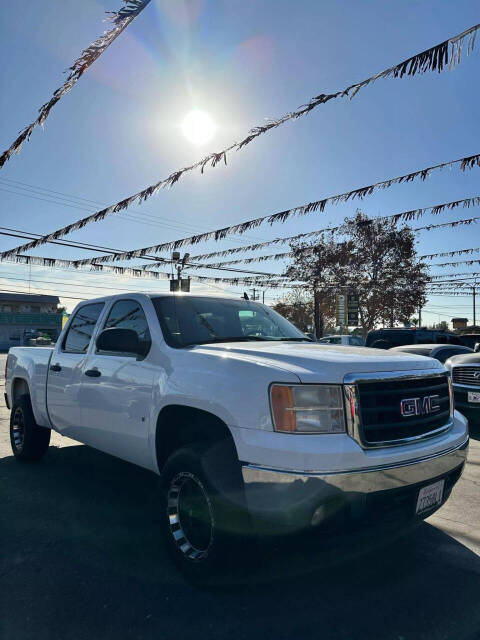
(93, 373)
(55, 367)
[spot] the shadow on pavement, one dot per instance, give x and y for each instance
(81, 557)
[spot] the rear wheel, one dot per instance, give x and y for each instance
(28, 440)
(204, 527)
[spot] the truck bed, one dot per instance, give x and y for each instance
(31, 364)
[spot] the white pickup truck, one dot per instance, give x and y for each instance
(251, 426)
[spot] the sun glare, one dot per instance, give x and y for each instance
(198, 127)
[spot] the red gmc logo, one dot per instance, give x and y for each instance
(419, 406)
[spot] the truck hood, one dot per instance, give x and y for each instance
(320, 363)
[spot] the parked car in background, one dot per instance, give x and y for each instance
(345, 340)
(465, 371)
(396, 337)
(440, 352)
(470, 340)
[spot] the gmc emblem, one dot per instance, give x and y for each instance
(419, 406)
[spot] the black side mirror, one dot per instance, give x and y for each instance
(118, 340)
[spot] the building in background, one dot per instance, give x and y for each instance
(28, 320)
(459, 323)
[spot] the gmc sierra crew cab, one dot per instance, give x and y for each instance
(252, 427)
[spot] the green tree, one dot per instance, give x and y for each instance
(374, 259)
(297, 306)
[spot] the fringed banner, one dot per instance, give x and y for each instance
(455, 264)
(457, 252)
(121, 19)
(466, 203)
(59, 263)
(289, 254)
(319, 205)
(433, 59)
(455, 275)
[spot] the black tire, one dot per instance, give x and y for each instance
(204, 520)
(29, 441)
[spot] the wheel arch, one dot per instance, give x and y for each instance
(19, 388)
(181, 425)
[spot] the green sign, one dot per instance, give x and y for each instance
(34, 319)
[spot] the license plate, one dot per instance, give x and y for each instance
(430, 496)
(474, 396)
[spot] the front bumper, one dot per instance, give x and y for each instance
(283, 501)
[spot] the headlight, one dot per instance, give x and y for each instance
(307, 408)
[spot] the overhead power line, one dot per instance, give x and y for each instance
(74, 263)
(61, 199)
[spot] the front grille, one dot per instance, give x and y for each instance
(466, 375)
(381, 419)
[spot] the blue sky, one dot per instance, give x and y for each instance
(240, 61)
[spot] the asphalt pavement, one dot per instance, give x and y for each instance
(81, 558)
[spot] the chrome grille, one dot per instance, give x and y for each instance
(381, 421)
(469, 376)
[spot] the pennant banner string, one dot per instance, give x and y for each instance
(457, 252)
(467, 202)
(455, 274)
(455, 264)
(156, 275)
(433, 59)
(58, 263)
(121, 19)
(289, 254)
(468, 162)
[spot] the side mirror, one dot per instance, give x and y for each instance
(118, 340)
(476, 348)
(311, 336)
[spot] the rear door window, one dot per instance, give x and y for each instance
(81, 328)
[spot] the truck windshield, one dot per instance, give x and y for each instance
(195, 320)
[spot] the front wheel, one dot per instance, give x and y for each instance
(203, 527)
(29, 442)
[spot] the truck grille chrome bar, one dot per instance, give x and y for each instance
(468, 376)
(397, 408)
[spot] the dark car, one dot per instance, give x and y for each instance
(441, 352)
(388, 338)
(465, 372)
(469, 339)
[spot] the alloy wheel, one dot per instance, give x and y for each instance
(190, 516)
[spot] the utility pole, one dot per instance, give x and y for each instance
(474, 310)
(255, 295)
(419, 317)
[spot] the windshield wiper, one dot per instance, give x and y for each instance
(229, 339)
(296, 339)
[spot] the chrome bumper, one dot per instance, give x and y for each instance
(291, 498)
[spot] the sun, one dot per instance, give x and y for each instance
(198, 127)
